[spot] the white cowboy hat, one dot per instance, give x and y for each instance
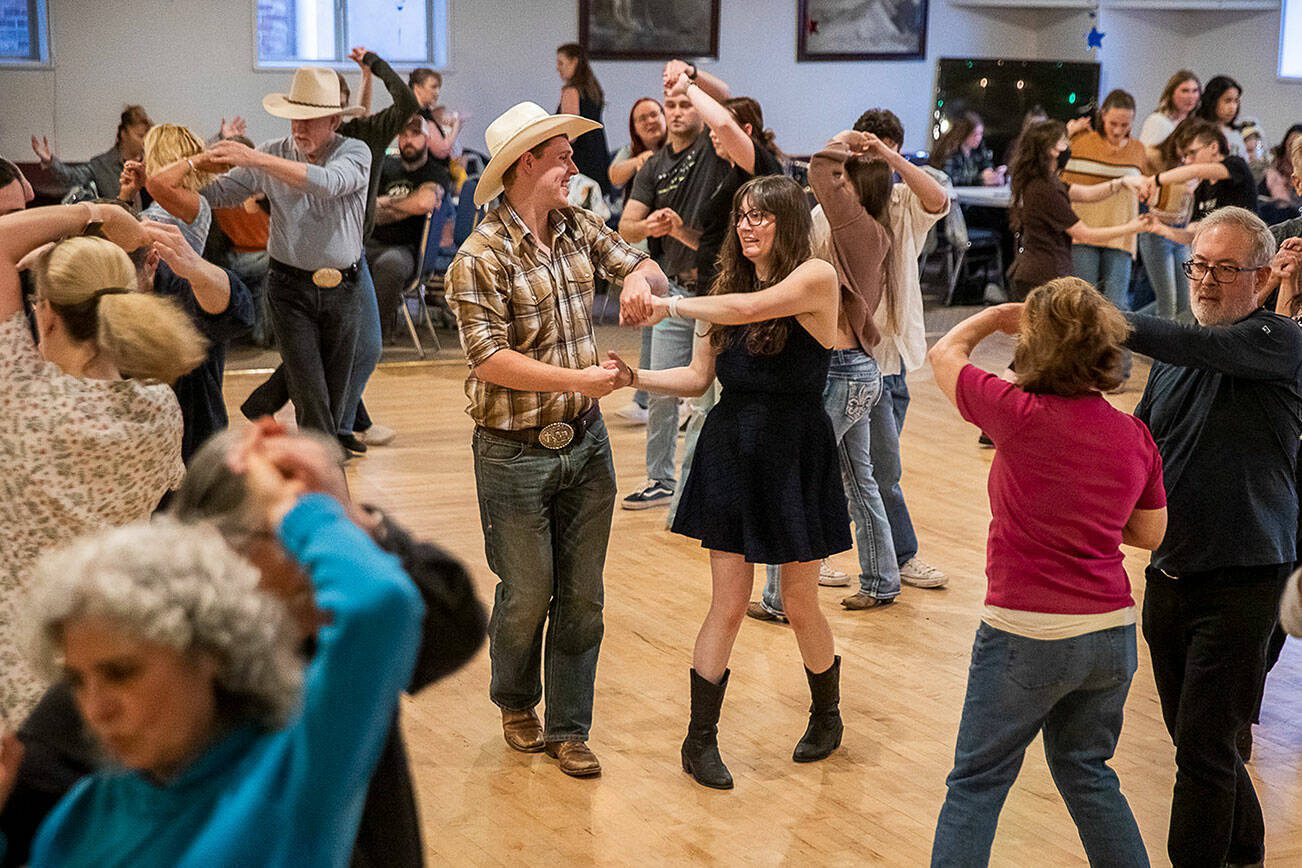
(515, 131)
(313, 94)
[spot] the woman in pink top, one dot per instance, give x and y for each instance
(1072, 479)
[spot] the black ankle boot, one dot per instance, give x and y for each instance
(701, 757)
(824, 732)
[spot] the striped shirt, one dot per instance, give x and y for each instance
(1092, 161)
(511, 294)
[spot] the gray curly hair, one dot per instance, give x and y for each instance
(180, 586)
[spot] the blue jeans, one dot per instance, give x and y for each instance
(1162, 261)
(368, 351)
(854, 387)
(886, 421)
(671, 347)
(546, 520)
(1075, 691)
(318, 330)
(700, 408)
(1106, 268)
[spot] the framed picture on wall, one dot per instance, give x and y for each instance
(649, 29)
(861, 30)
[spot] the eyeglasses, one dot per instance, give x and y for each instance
(1195, 150)
(1220, 273)
(755, 218)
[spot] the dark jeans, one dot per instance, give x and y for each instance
(1075, 691)
(1207, 634)
(318, 332)
(546, 518)
(393, 266)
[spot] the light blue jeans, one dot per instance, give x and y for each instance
(700, 408)
(546, 520)
(1106, 269)
(886, 422)
(671, 347)
(1072, 689)
(1162, 261)
(854, 387)
(367, 354)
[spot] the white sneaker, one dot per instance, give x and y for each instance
(830, 577)
(633, 413)
(920, 574)
(377, 435)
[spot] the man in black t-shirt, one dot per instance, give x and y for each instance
(410, 188)
(665, 206)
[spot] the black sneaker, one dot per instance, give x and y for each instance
(651, 494)
(985, 442)
(351, 443)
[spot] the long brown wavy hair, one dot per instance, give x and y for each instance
(785, 200)
(959, 129)
(1032, 163)
(1070, 340)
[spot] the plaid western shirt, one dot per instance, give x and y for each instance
(510, 294)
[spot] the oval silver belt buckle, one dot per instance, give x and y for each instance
(327, 278)
(557, 435)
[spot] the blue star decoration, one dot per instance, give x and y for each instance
(1094, 39)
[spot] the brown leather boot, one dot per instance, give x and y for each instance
(576, 759)
(522, 730)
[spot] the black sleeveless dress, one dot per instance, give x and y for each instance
(591, 154)
(766, 479)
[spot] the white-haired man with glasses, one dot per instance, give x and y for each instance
(1224, 404)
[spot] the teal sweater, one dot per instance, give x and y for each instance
(292, 797)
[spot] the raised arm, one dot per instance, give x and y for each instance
(165, 186)
(930, 193)
(715, 87)
(953, 351)
(829, 182)
(1193, 171)
(737, 145)
(1138, 184)
(210, 283)
(442, 143)
(23, 231)
(391, 120)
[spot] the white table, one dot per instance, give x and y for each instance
(989, 197)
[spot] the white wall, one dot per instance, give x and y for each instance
(191, 62)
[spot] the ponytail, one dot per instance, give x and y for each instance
(90, 284)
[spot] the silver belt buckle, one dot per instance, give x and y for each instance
(557, 435)
(327, 278)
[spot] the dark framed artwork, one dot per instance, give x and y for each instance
(861, 30)
(649, 29)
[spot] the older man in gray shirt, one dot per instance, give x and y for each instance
(316, 182)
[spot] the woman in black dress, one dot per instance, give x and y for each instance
(765, 485)
(581, 95)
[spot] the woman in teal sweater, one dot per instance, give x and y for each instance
(188, 677)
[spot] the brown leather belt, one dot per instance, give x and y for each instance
(557, 435)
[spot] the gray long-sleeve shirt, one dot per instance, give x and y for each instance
(104, 169)
(319, 226)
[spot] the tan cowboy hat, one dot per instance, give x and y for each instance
(515, 131)
(313, 94)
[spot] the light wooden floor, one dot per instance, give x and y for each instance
(873, 802)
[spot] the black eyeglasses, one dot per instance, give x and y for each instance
(755, 218)
(1220, 273)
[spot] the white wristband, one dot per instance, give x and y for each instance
(673, 305)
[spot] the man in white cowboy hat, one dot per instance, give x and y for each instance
(522, 288)
(316, 182)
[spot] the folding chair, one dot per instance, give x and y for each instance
(431, 257)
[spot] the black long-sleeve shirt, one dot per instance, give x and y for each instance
(377, 130)
(1224, 404)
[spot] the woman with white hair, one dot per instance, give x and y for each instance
(229, 753)
(90, 432)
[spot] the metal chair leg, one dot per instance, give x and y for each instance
(411, 328)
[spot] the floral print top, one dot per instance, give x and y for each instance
(79, 454)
